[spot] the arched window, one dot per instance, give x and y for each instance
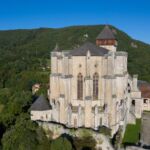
(95, 86)
(80, 86)
(133, 102)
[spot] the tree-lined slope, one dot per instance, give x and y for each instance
(29, 49)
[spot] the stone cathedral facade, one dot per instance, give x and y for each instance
(90, 87)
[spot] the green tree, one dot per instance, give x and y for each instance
(25, 135)
(61, 143)
(18, 102)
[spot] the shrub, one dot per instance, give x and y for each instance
(61, 143)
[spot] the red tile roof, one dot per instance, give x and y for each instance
(144, 87)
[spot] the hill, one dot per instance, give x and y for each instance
(25, 60)
(30, 49)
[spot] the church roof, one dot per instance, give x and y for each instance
(106, 34)
(93, 49)
(40, 104)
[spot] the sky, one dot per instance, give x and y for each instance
(131, 16)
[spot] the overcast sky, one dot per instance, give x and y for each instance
(131, 16)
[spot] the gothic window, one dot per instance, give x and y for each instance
(95, 86)
(80, 86)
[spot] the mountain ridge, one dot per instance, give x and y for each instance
(67, 27)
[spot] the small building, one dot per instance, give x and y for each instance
(40, 109)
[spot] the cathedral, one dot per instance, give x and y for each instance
(90, 87)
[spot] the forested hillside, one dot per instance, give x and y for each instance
(24, 60)
(23, 50)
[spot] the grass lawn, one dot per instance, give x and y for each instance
(131, 135)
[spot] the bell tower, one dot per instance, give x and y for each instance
(106, 39)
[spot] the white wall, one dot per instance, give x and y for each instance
(41, 115)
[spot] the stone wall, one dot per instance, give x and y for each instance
(113, 94)
(41, 115)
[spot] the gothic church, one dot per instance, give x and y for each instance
(90, 87)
